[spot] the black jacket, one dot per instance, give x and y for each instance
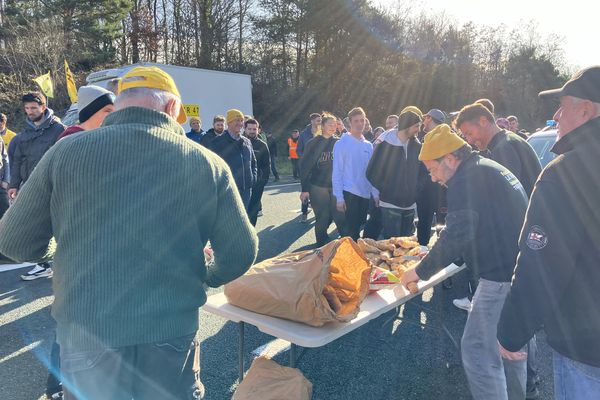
(207, 138)
(518, 156)
(398, 176)
(557, 278)
(239, 155)
(33, 143)
(272, 144)
(263, 160)
(486, 206)
(316, 167)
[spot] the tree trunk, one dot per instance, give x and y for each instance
(241, 33)
(206, 34)
(135, 32)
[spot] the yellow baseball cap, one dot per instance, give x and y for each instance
(152, 78)
(439, 142)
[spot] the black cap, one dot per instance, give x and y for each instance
(584, 85)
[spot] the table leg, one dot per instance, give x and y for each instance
(293, 349)
(241, 350)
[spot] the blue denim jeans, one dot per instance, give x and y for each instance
(574, 380)
(490, 376)
(169, 369)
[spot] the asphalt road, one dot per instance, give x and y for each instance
(403, 360)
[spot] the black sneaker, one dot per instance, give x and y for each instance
(42, 270)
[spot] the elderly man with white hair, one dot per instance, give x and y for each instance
(556, 280)
(130, 207)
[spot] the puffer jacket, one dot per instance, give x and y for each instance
(33, 143)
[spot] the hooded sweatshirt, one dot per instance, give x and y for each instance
(395, 170)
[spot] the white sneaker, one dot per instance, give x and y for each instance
(463, 304)
(39, 271)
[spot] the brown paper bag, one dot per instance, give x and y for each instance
(267, 380)
(291, 286)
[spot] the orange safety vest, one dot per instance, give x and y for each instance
(293, 145)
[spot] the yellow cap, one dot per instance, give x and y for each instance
(152, 78)
(233, 114)
(413, 109)
(439, 142)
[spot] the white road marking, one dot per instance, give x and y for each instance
(272, 348)
(25, 310)
(10, 267)
(282, 185)
(21, 351)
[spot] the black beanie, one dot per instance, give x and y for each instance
(408, 119)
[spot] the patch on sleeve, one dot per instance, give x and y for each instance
(536, 238)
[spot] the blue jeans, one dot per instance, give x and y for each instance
(169, 369)
(490, 376)
(574, 380)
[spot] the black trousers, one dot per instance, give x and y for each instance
(3, 201)
(324, 205)
(373, 226)
(356, 214)
(254, 206)
(397, 222)
(274, 167)
(295, 167)
(427, 205)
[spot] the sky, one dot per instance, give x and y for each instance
(576, 21)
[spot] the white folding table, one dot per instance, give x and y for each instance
(298, 334)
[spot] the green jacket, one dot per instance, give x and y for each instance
(131, 206)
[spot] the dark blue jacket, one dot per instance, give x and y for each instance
(557, 276)
(303, 139)
(195, 136)
(486, 208)
(239, 155)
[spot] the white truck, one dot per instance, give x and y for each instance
(205, 93)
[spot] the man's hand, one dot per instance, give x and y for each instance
(409, 278)
(12, 193)
(304, 196)
(512, 356)
(341, 206)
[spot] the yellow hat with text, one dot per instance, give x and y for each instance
(439, 142)
(152, 78)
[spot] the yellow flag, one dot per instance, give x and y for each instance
(71, 87)
(45, 83)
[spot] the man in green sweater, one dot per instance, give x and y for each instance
(130, 207)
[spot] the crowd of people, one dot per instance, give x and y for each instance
(127, 280)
